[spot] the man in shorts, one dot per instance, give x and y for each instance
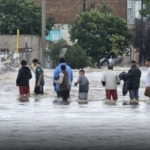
(110, 80)
(39, 78)
(24, 75)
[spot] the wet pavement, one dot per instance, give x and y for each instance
(41, 124)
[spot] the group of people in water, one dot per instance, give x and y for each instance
(63, 77)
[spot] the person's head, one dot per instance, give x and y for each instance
(23, 62)
(147, 62)
(62, 60)
(110, 67)
(39, 63)
(133, 63)
(63, 68)
(35, 62)
(81, 72)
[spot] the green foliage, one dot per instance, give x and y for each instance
(146, 11)
(105, 10)
(142, 39)
(76, 57)
(22, 14)
(55, 50)
(116, 44)
(99, 34)
(92, 6)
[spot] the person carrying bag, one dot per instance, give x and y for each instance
(147, 90)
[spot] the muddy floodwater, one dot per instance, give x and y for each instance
(42, 124)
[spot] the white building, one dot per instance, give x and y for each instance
(133, 8)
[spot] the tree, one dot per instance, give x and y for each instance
(146, 11)
(55, 51)
(142, 38)
(24, 15)
(93, 30)
(76, 57)
(116, 42)
(105, 10)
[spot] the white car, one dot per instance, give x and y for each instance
(106, 62)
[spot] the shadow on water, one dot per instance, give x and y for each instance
(23, 99)
(61, 102)
(83, 102)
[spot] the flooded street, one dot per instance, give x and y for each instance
(41, 124)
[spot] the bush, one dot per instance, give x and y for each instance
(55, 50)
(76, 57)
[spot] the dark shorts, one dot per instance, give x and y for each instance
(24, 90)
(111, 93)
(39, 90)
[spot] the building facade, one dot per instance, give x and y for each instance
(133, 7)
(64, 11)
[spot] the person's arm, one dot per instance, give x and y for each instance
(103, 80)
(30, 75)
(118, 80)
(60, 80)
(88, 84)
(40, 78)
(71, 75)
(79, 80)
(18, 78)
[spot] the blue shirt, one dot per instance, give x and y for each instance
(57, 71)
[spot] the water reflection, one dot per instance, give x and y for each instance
(61, 102)
(83, 102)
(23, 99)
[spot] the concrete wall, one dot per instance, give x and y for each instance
(9, 42)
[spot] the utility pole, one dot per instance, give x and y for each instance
(43, 33)
(142, 49)
(26, 47)
(84, 5)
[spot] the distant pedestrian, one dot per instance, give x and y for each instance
(83, 85)
(39, 81)
(110, 80)
(63, 82)
(24, 75)
(147, 90)
(135, 74)
(57, 71)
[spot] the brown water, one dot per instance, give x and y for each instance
(41, 124)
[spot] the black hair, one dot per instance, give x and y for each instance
(35, 60)
(133, 62)
(39, 63)
(23, 62)
(63, 67)
(62, 60)
(148, 59)
(82, 71)
(110, 67)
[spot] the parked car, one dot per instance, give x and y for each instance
(107, 62)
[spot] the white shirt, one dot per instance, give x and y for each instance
(148, 78)
(111, 79)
